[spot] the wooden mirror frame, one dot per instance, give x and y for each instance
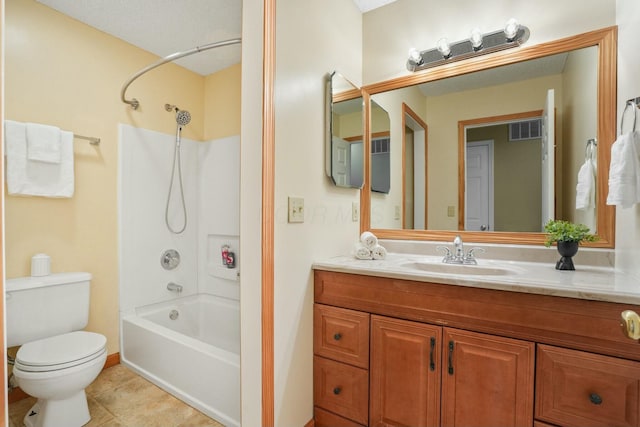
(606, 41)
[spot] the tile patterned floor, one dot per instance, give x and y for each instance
(121, 398)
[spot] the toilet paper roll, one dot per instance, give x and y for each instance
(40, 265)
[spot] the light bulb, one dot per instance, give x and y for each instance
(443, 47)
(511, 29)
(476, 39)
(415, 56)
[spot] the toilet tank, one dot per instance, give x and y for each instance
(40, 307)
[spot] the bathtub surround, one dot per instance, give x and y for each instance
(200, 326)
(191, 348)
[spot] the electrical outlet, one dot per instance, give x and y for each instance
(355, 211)
(397, 212)
(296, 209)
(451, 211)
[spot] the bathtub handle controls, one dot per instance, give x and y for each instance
(174, 287)
(170, 259)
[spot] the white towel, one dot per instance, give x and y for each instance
(35, 178)
(361, 252)
(379, 252)
(586, 187)
(624, 172)
(369, 240)
(43, 143)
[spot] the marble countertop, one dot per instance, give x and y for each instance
(600, 283)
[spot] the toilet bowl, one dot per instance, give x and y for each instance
(56, 370)
(57, 360)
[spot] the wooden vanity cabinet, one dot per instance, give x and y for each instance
(340, 366)
(441, 355)
(486, 380)
(405, 373)
(581, 389)
(426, 375)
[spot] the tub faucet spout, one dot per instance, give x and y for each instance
(174, 287)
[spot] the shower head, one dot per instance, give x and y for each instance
(183, 117)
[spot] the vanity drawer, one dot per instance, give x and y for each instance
(324, 418)
(342, 389)
(574, 388)
(341, 335)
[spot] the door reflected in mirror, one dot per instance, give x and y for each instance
(523, 181)
(580, 69)
(344, 151)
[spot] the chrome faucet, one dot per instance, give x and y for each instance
(458, 256)
(174, 287)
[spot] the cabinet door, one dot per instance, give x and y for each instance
(486, 380)
(404, 373)
(575, 388)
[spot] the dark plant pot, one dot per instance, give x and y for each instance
(567, 249)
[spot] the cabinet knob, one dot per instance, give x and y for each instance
(337, 336)
(630, 324)
(595, 398)
(337, 390)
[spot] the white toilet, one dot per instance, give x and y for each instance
(57, 360)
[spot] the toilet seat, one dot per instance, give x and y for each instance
(60, 351)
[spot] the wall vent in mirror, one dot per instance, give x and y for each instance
(433, 118)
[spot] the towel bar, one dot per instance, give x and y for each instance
(633, 102)
(92, 140)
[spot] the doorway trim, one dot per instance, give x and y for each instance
(268, 216)
(462, 140)
(411, 119)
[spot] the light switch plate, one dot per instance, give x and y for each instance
(355, 211)
(296, 209)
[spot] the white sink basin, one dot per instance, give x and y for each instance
(459, 269)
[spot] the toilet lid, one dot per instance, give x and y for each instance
(60, 351)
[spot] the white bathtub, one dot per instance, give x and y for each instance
(195, 357)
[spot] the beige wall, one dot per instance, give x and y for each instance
(580, 112)
(222, 103)
(63, 73)
(306, 50)
(383, 206)
(348, 125)
(628, 220)
(390, 31)
(250, 214)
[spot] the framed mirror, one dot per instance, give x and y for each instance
(501, 98)
(344, 147)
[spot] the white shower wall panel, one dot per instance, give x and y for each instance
(144, 175)
(219, 201)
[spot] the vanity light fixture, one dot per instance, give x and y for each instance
(476, 39)
(414, 56)
(444, 48)
(511, 29)
(512, 35)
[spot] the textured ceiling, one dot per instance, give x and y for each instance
(164, 27)
(367, 5)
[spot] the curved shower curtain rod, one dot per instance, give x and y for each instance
(134, 102)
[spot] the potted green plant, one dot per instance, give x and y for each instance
(568, 236)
